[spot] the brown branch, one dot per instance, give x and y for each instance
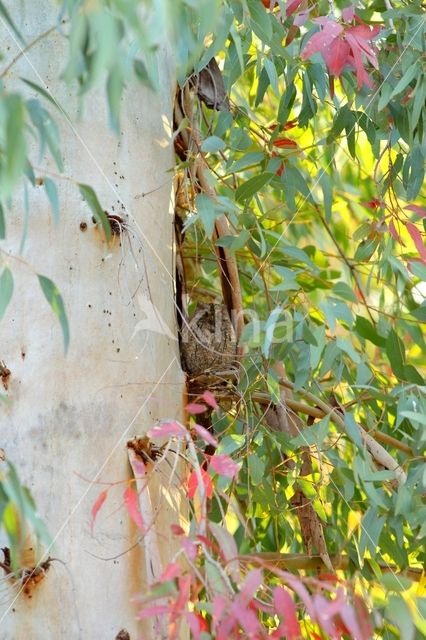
(303, 562)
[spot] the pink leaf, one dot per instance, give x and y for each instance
(205, 435)
(209, 399)
(417, 239)
(227, 547)
(351, 623)
(138, 467)
(167, 430)
(171, 572)
(416, 209)
(394, 233)
(193, 484)
(155, 610)
(348, 13)
(321, 41)
(190, 548)
(223, 465)
(251, 584)
(194, 408)
(247, 619)
(286, 608)
(98, 504)
(132, 504)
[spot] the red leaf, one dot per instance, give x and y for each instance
(167, 429)
(292, 6)
(209, 399)
(177, 530)
(269, 4)
(363, 618)
(417, 239)
(286, 608)
(197, 624)
(373, 204)
(193, 484)
(336, 57)
(223, 465)
(132, 504)
(205, 435)
(416, 209)
(195, 408)
(98, 504)
(285, 143)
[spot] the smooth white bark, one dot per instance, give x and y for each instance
(70, 416)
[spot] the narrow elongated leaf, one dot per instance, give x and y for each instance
(247, 189)
(45, 94)
(2, 223)
(52, 194)
(5, 15)
(6, 290)
(99, 214)
(55, 300)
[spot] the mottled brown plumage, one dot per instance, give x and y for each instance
(208, 342)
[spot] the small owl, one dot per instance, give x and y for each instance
(208, 342)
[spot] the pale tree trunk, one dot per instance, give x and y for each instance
(69, 417)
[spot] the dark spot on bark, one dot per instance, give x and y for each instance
(122, 635)
(83, 226)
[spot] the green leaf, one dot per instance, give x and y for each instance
(15, 148)
(247, 189)
(99, 214)
(52, 194)
(352, 429)
(114, 92)
(365, 329)
(371, 528)
(5, 14)
(46, 95)
(395, 352)
(2, 223)
(407, 77)
(343, 290)
(393, 582)
(256, 468)
(143, 75)
(272, 75)
(6, 290)
(54, 298)
(260, 20)
(327, 191)
(212, 144)
(420, 312)
(208, 210)
(400, 614)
